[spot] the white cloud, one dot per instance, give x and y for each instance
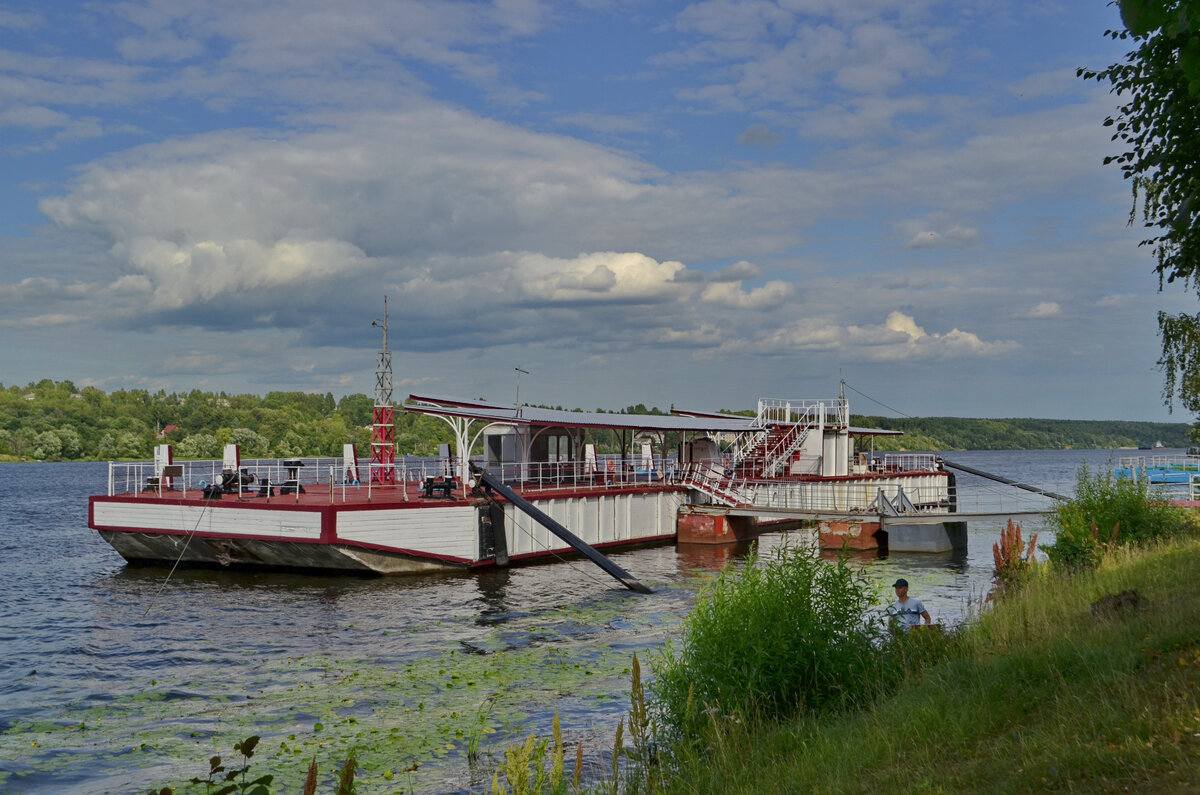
(769, 54)
(730, 294)
(32, 116)
(1044, 309)
(898, 338)
(954, 237)
(203, 270)
(737, 272)
(758, 135)
(608, 275)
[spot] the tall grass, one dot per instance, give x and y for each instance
(1108, 512)
(787, 633)
(1041, 694)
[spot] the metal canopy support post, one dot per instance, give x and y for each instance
(577, 543)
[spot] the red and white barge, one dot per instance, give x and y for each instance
(411, 515)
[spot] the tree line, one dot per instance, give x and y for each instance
(57, 421)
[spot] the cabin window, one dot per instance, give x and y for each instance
(559, 448)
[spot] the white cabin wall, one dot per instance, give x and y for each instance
(452, 531)
(597, 519)
(266, 523)
(811, 454)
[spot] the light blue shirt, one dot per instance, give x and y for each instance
(907, 615)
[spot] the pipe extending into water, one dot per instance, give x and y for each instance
(1006, 481)
(577, 543)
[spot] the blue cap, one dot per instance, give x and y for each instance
(900, 583)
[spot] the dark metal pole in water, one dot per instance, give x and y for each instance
(577, 543)
(1006, 481)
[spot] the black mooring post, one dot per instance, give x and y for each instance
(577, 543)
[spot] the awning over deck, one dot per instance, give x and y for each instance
(695, 422)
(528, 415)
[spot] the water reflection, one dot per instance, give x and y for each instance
(710, 557)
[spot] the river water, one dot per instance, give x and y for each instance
(117, 679)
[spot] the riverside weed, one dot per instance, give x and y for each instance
(524, 766)
(1107, 512)
(1012, 556)
(235, 778)
(786, 633)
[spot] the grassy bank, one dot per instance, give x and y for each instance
(1043, 693)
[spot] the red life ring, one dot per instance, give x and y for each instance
(612, 465)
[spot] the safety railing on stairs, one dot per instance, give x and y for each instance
(790, 442)
(715, 480)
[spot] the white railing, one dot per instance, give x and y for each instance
(746, 444)
(783, 411)
(907, 493)
(905, 462)
(782, 452)
(275, 478)
(843, 496)
(282, 476)
(729, 485)
(715, 480)
(1180, 463)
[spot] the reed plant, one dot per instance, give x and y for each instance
(524, 770)
(1013, 557)
(785, 633)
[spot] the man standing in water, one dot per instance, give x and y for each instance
(906, 612)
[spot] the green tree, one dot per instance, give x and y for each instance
(199, 445)
(1159, 83)
(47, 446)
(249, 442)
(71, 442)
(358, 409)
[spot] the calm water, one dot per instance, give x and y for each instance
(115, 679)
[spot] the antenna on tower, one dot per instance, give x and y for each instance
(518, 403)
(383, 429)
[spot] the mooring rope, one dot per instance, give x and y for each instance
(182, 552)
(585, 572)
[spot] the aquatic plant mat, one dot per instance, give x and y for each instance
(1088, 682)
(416, 720)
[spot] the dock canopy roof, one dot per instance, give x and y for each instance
(528, 415)
(696, 422)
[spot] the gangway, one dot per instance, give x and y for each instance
(891, 506)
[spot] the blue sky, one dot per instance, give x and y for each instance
(669, 203)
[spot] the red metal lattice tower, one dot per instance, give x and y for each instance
(383, 429)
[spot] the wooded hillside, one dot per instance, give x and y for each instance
(56, 421)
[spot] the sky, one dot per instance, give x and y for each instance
(694, 204)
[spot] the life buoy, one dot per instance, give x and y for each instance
(612, 465)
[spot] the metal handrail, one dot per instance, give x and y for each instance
(608, 471)
(798, 432)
